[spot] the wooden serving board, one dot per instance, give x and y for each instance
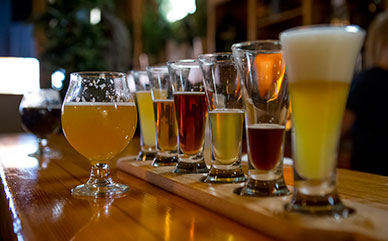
(366, 193)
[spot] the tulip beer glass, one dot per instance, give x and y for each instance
(191, 113)
(99, 120)
(261, 69)
(226, 117)
(320, 63)
(165, 116)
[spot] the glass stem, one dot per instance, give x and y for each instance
(100, 175)
(42, 145)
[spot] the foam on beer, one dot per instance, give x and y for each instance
(321, 53)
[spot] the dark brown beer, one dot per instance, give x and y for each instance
(265, 145)
(40, 121)
(191, 114)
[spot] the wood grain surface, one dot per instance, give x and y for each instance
(366, 193)
(36, 204)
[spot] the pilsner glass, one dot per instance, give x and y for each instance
(191, 112)
(320, 62)
(261, 70)
(145, 108)
(165, 117)
(99, 120)
(226, 117)
(40, 113)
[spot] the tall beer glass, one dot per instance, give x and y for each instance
(226, 117)
(145, 108)
(191, 112)
(262, 69)
(99, 120)
(165, 116)
(320, 62)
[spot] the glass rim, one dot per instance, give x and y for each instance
(187, 63)
(219, 56)
(160, 67)
(89, 73)
(351, 28)
(239, 46)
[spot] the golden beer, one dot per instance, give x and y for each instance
(166, 126)
(226, 131)
(107, 127)
(147, 117)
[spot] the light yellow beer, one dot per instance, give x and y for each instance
(97, 130)
(226, 133)
(147, 117)
(320, 63)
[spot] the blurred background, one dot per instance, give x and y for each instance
(43, 41)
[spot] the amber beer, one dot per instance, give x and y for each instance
(166, 127)
(108, 126)
(265, 145)
(191, 112)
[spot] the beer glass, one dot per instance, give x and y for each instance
(40, 113)
(145, 108)
(191, 112)
(261, 70)
(226, 117)
(99, 120)
(165, 116)
(320, 61)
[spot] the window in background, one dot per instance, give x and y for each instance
(18, 75)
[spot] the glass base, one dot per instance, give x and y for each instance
(100, 184)
(263, 188)
(326, 205)
(165, 161)
(191, 167)
(46, 152)
(225, 176)
(146, 156)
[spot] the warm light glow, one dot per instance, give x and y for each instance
(19, 75)
(167, 224)
(175, 10)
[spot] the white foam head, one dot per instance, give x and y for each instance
(321, 52)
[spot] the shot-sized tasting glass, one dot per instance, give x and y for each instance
(191, 112)
(261, 68)
(320, 61)
(40, 113)
(145, 108)
(226, 117)
(165, 117)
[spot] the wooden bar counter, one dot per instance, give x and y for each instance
(36, 204)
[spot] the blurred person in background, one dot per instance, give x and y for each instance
(366, 114)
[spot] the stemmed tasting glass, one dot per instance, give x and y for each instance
(99, 120)
(320, 63)
(146, 112)
(191, 112)
(165, 117)
(40, 113)
(226, 117)
(261, 69)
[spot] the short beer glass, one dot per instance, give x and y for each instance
(191, 113)
(226, 117)
(261, 69)
(320, 63)
(165, 116)
(99, 120)
(145, 108)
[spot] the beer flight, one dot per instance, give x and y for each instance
(310, 67)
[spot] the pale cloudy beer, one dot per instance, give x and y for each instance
(320, 64)
(99, 130)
